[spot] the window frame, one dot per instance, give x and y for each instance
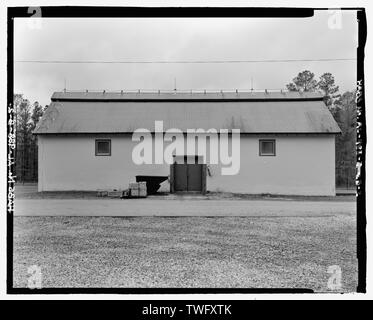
(97, 154)
(260, 148)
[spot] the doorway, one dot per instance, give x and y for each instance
(188, 177)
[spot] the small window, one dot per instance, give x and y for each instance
(103, 147)
(267, 147)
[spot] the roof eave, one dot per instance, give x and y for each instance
(242, 133)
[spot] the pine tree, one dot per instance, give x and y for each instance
(304, 81)
(327, 86)
(23, 138)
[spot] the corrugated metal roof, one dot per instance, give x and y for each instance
(264, 116)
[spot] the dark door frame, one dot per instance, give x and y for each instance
(172, 177)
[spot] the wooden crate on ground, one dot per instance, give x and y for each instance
(134, 185)
(135, 193)
(138, 189)
(142, 189)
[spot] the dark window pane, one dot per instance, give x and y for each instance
(267, 147)
(103, 147)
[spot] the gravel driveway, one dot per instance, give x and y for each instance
(185, 243)
(228, 252)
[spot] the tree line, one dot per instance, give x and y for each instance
(342, 107)
(26, 117)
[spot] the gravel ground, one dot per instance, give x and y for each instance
(244, 252)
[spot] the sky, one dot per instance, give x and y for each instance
(144, 39)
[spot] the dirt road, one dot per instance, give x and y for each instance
(150, 207)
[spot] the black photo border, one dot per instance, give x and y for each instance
(191, 12)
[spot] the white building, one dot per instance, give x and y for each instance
(287, 141)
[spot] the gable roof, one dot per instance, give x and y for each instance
(80, 112)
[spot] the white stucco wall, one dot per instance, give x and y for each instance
(303, 165)
(69, 163)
